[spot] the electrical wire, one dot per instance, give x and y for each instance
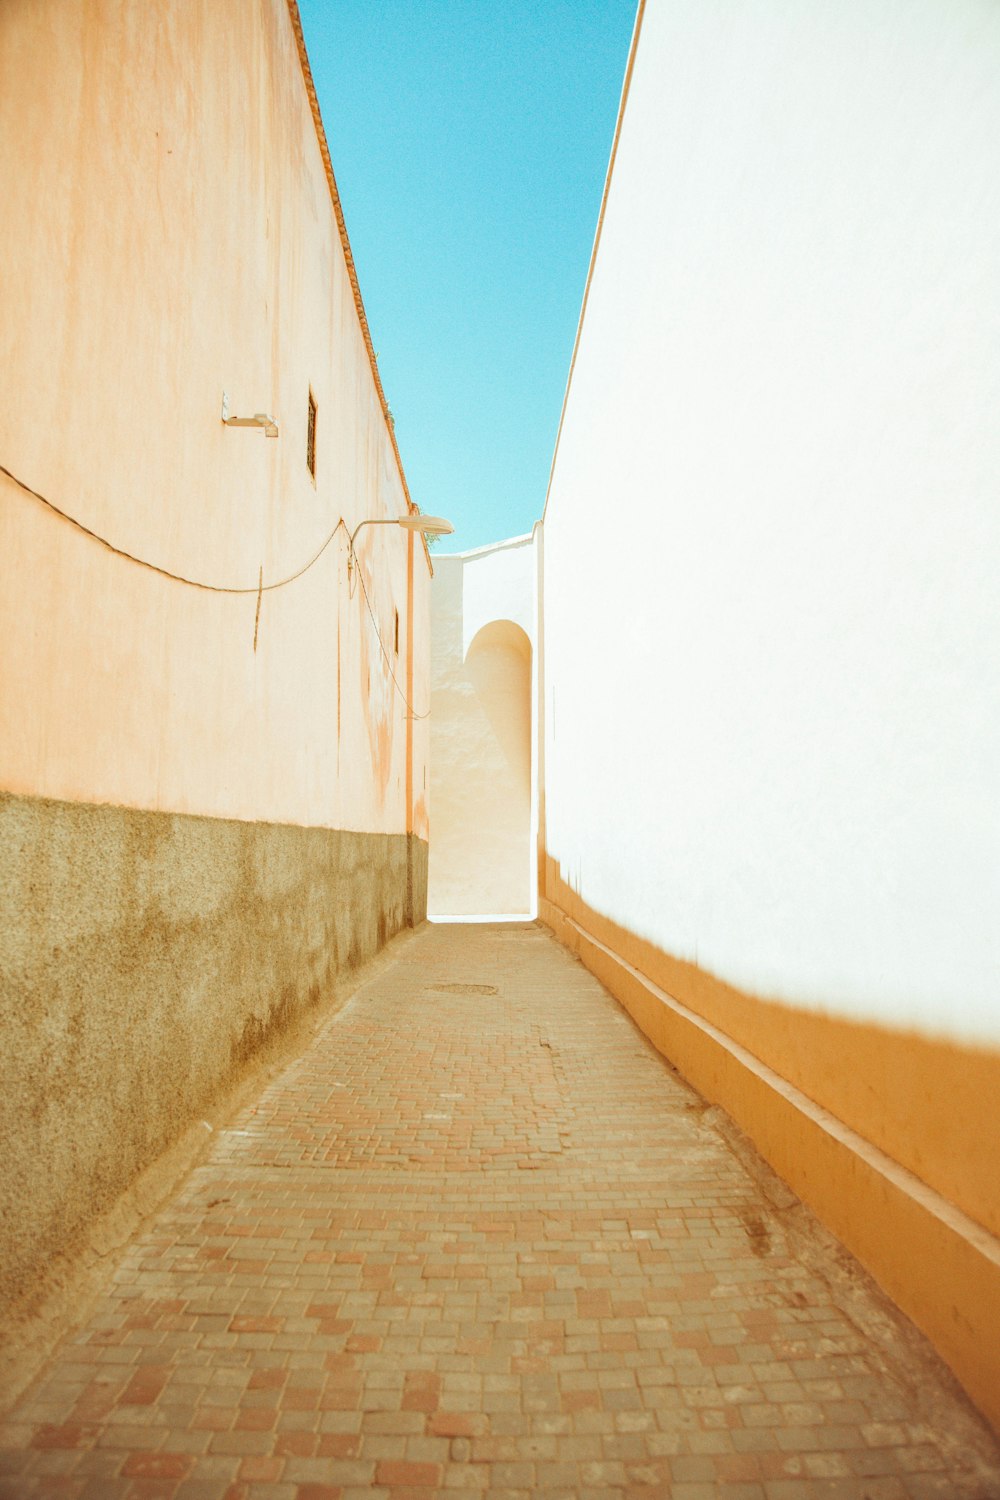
(378, 637)
(258, 588)
(212, 588)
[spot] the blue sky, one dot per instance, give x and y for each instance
(470, 140)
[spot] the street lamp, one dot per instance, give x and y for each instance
(426, 525)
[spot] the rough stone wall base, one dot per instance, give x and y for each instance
(145, 959)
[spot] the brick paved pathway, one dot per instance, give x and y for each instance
(479, 1238)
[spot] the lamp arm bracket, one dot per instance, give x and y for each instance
(373, 521)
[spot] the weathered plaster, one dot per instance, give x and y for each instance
(144, 959)
(172, 232)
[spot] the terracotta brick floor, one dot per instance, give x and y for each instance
(481, 1239)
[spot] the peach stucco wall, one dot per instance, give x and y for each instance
(168, 233)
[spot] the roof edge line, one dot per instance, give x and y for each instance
(626, 85)
(523, 539)
(352, 273)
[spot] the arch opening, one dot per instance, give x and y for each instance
(480, 856)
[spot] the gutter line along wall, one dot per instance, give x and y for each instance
(770, 772)
(212, 801)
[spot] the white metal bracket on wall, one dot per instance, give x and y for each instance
(260, 419)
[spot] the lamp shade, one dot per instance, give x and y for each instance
(429, 525)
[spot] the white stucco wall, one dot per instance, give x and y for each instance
(498, 583)
(483, 664)
(772, 541)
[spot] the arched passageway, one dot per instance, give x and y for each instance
(480, 860)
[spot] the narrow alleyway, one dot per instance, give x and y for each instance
(480, 1238)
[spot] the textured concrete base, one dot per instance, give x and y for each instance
(145, 959)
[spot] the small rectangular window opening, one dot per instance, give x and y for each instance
(397, 632)
(311, 436)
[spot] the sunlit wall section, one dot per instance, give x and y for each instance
(772, 621)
